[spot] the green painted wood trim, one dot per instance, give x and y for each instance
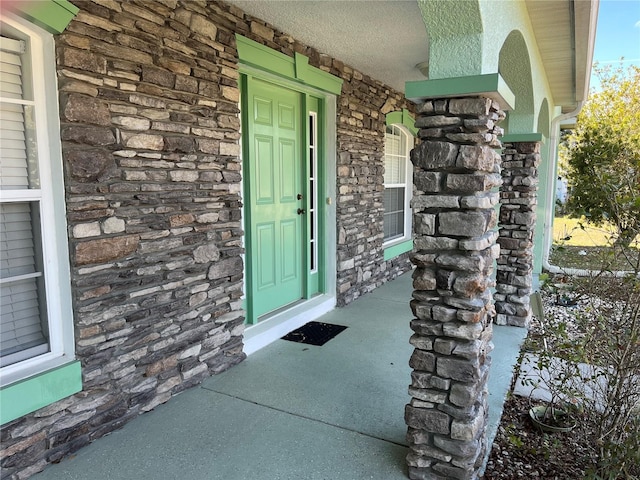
(403, 118)
(398, 249)
(29, 395)
(315, 77)
(246, 185)
(257, 55)
(52, 15)
(491, 85)
(393, 118)
(296, 68)
(523, 138)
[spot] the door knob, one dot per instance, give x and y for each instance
(299, 196)
(301, 211)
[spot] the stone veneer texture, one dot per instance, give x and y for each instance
(456, 169)
(518, 202)
(149, 104)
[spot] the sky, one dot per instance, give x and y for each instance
(618, 33)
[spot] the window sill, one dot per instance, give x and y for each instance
(397, 248)
(33, 393)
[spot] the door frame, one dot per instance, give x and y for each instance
(266, 64)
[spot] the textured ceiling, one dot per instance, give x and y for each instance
(384, 39)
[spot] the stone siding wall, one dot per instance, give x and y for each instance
(361, 126)
(149, 104)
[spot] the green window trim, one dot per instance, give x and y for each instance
(491, 85)
(398, 249)
(52, 15)
(402, 118)
(31, 394)
(524, 138)
(294, 68)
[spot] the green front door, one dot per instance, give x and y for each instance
(275, 190)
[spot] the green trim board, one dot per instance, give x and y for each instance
(52, 15)
(403, 117)
(296, 68)
(29, 395)
(491, 85)
(397, 250)
(523, 138)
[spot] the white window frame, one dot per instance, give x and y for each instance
(408, 187)
(42, 70)
(313, 189)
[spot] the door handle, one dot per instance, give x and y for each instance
(301, 211)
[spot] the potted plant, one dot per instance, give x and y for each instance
(555, 394)
(553, 374)
(552, 419)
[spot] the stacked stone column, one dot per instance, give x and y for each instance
(456, 168)
(519, 199)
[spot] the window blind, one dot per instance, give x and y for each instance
(393, 213)
(22, 324)
(13, 168)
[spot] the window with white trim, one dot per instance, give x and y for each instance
(36, 326)
(398, 185)
(313, 191)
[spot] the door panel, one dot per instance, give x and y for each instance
(290, 250)
(287, 117)
(275, 169)
(266, 255)
(290, 184)
(263, 108)
(264, 170)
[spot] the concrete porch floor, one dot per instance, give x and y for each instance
(291, 411)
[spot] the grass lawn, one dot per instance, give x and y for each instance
(578, 244)
(576, 232)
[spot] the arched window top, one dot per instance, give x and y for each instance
(402, 117)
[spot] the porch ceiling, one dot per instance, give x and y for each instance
(385, 39)
(565, 33)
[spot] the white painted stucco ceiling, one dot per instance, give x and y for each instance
(384, 39)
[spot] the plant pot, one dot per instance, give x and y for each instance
(560, 422)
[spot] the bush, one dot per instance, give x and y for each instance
(596, 367)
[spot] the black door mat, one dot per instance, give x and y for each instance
(314, 333)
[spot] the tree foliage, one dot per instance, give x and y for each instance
(604, 153)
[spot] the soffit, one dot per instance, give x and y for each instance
(565, 33)
(384, 39)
